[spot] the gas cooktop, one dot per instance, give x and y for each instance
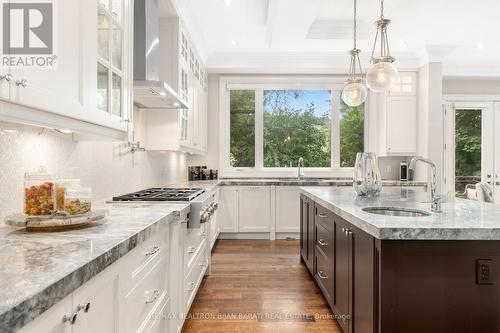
(162, 194)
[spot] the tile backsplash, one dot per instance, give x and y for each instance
(108, 167)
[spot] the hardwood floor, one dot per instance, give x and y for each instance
(259, 286)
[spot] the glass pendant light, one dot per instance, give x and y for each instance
(382, 75)
(354, 92)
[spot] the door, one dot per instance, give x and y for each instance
(401, 125)
(343, 267)
(57, 319)
(227, 213)
(97, 304)
(254, 209)
(57, 84)
(287, 209)
(469, 146)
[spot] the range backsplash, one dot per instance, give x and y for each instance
(108, 167)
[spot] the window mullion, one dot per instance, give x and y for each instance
(335, 116)
(259, 129)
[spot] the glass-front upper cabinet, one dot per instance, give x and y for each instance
(110, 32)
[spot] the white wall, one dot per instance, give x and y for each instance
(108, 167)
(471, 86)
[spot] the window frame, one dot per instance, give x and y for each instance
(259, 84)
(108, 64)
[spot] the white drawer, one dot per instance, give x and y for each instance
(193, 240)
(157, 321)
(140, 260)
(145, 296)
(195, 276)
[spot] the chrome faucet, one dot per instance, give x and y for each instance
(435, 198)
(300, 165)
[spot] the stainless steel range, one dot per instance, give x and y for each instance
(202, 203)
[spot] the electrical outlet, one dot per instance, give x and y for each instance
(484, 271)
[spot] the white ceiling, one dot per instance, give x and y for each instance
(315, 34)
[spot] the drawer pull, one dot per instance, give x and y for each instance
(191, 249)
(70, 318)
(203, 235)
(204, 263)
(322, 215)
(322, 275)
(191, 286)
(156, 294)
(85, 307)
(153, 251)
(322, 242)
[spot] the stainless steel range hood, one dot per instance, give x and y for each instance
(149, 91)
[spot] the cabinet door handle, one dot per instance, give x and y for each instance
(71, 318)
(85, 307)
(156, 294)
(7, 77)
(191, 286)
(153, 251)
(191, 250)
(22, 83)
(322, 215)
(322, 275)
(322, 242)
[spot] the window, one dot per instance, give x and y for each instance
(269, 124)
(297, 123)
(242, 135)
(110, 55)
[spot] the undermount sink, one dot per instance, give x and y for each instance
(394, 211)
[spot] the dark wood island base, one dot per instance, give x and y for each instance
(400, 286)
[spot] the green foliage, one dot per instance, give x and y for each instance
(352, 122)
(242, 121)
(468, 143)
(291, 133)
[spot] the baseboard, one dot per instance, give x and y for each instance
(258, 235)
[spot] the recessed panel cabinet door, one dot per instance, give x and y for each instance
(97, 302)
(304, 215)
(401, 124)
(287, 209)
(51, 321)
(255, 209)
(227, 214)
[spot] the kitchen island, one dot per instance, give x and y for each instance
(431, 273)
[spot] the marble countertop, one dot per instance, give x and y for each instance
(460, 219)
(209, 184)
(39, 269)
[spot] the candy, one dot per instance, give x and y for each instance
(39, 199)
(76, 206)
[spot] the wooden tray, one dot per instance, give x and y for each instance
(53, 222)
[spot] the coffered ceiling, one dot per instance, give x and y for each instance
(314, 35)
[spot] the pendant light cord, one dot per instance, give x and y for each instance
(381, 9)
(355, 22)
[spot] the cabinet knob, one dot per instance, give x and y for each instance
(22, 83)
(322, 242)
(191, 249)
(71, 318)
(85, 307)
(7, 77)
(322, 275)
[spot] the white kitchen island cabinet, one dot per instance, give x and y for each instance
(228, 211)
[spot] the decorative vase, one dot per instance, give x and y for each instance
(367, 180)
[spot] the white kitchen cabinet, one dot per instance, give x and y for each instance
(96, 303)
(287, 209)
(254, 205)
(51, 321)
(401, 135)
(70, 88)
(227, 214)
(181, 130)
